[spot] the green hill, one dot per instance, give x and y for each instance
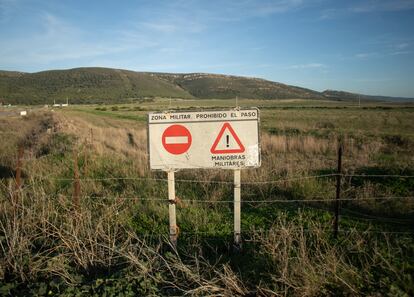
(346, 96)
(106, 85)
(92, 85)
(84, 85)
(4, 73)
(208, 86)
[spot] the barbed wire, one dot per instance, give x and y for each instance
(179, 180)
(329, 200)
(377, 175)
(232, 201)
(220, 235)
(290, 179)
(329, 230)
(224, 182)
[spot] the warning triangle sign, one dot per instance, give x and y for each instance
(227, 141)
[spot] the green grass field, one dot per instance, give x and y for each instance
(114, 240)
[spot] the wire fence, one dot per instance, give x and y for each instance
(269, 199)
(295, 178)
(249, 235)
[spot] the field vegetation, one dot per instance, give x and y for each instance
(112, 239)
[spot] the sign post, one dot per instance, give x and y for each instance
(171, 208)
(220, 139)
(237, 209)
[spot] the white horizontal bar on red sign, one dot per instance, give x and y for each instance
(176, 139)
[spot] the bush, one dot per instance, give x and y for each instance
(397, 140)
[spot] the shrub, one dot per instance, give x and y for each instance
(397, 140)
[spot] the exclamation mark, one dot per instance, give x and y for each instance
(227, 140)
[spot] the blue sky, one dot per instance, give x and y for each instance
(364, 46)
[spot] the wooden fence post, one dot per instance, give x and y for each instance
(338, 189)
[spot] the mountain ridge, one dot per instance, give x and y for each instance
(109, 85)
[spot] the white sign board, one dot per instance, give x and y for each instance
(204, 139)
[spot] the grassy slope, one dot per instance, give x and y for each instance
(103, 85)
(85, 85)
(340, 95)
(93, 85)
(226, 86)
(4, 73)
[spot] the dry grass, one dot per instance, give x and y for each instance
(304, 261)
(43, 236)
(125, 142)
(282, 155)
(301, 144)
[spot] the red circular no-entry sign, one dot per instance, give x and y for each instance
(176, 139)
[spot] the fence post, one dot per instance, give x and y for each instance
(338, 189)
(171, 208)
(237, 210)
(76, 182)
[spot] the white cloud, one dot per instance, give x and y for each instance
(58, 40)
(160, 27)
(267, 7)
(307, 66)
(171, 25)
(235, 10)
(331, 13)
(402, 48)
(397, 53)
(371, 55)
(383, 5)
(366, 6)
(170, 50)
(367, 55)
(402, 45)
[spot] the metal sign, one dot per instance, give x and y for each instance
(226, 139)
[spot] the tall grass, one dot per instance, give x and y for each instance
(45, 238)
(113, 245)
